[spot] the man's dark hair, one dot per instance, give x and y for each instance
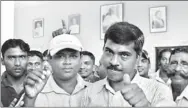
(125, 33)
(89, 54)
(35, 53)
(13, 43)
(179, 49)
(163, 51)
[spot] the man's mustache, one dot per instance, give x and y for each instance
(184, 75)
(112, 67)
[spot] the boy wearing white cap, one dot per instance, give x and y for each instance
(65, 87)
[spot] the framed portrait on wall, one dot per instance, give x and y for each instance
(110, 14)
(74, 23)
(38, 27)
(158, 19)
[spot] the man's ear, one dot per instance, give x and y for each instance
(2, 60)
(137, 61)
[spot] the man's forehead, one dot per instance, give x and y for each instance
(180, 55)
(119, 47)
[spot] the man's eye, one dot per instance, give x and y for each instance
(108, 51)
(37, 64)
(73, 56)
(11, 57)
(23, 57)
(124, 55)
(173, 62)
(185, 64)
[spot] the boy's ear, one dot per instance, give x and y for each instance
(2, 60)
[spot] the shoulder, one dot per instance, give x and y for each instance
(96, 86)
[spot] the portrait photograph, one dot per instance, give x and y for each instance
(109, 14)
(74, 24)
(158, 20)
(38, 27)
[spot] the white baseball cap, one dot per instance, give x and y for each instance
(64, 41)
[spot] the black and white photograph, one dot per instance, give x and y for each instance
(110, 14)
(89, 54)
(74, 23)
(158, 19)
(38, 27)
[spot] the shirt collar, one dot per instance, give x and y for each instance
(52, 86)
(158, 78)
(5, 81)
(105, 84)
(183, 94)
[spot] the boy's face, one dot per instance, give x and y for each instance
(15, 61)
(87, 66)
(119, 59)
(34, 62)
(65, 64)
(143, 66)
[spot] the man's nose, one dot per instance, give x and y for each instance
(114, 60)
(67, 61)
(17, 62)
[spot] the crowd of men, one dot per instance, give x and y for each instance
(65, 75)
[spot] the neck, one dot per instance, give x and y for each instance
(67, 85)
(89, 76)
(163, 75)
(16, 83)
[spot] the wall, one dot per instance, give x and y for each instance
(136, 12)
(7, 23)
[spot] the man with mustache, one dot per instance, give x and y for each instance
(14, 58)
(65, 86)
(123, 86)
(179, 67)
(162, 74)
(87, 67)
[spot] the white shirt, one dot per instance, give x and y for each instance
(54, 96)
(102, 94)
(182, 100)
(159, 79)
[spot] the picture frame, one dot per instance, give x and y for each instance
(74, 23)
(109, 14)
(158, 19)
(159, 49)
(38, 27)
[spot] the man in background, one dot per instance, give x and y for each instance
(179, 68)
(35, 59)
(87, 67)
(65, 87)
(15, 56)
(162, 74)
(144, 64)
